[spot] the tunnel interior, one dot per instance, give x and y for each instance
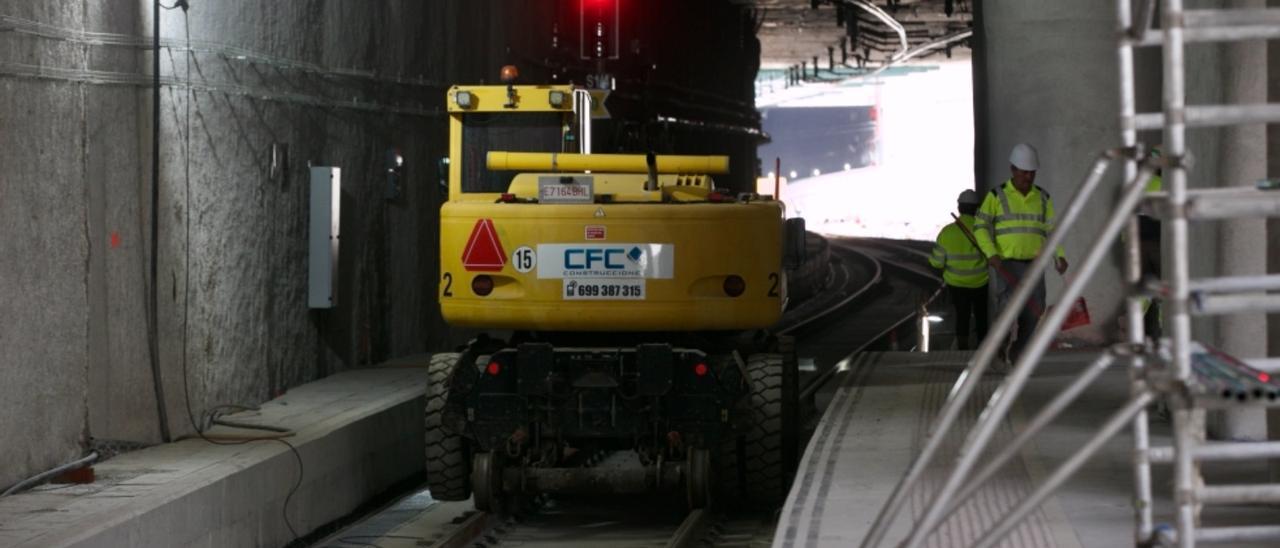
(157, 164)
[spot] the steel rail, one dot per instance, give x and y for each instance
(690, 530)
(466, 533)
(812, 388)
(876, 278)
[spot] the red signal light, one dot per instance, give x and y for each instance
(1264, 377)
(701, 369)
(493, 369)
(599, 22)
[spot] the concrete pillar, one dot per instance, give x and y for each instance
(978, 42)
(1242, 243)
(1273, 226)
(1046, 74)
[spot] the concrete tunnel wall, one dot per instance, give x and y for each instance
(75, 142)
(74, 203)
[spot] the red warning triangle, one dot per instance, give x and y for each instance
(484, 252)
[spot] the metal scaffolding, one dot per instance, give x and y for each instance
(1189, 377)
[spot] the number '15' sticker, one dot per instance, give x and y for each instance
(524, 259)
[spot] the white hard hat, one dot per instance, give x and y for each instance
(1024, 157)
(968, 197)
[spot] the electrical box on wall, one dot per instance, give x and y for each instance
(326, 193)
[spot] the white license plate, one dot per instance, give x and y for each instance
(566, 190)
(603, 290)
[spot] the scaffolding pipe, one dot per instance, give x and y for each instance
(1248, 533)
(1240, 17)
(1214, 34)
(1004, 396)
(964, 386)
(1134, 305)
(1199, 116)
(1239, 494)
(1042, 419)
(1223, 451)
(1227, 284)
(1217, 305)
(1064, 472)
(1175, 144)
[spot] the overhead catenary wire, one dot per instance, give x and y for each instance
(888, 20)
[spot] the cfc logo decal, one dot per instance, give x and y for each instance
(652, 261)
(603, 258)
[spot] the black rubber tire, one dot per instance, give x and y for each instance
(728, 474)
(762, 457)
(448, 458)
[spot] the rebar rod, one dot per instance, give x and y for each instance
(1003, 398)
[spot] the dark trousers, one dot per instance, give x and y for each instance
(969, 301)
(1029, 316)
(1150, 254)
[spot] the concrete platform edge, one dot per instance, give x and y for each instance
(370, 439)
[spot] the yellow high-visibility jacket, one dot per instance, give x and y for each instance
(1013, 226)
(960, 262)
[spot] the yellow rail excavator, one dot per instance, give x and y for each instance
(633, 298)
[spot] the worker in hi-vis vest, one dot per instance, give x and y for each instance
(1012, 225)
(1149, 232)
(964, 269)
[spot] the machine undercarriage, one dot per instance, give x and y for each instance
(533, 415)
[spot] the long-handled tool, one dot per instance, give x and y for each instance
(1034, 305)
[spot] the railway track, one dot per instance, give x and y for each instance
(869, 276)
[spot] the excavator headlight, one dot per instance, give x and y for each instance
(557, 98)
(464, 99)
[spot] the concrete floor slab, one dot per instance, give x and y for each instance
(875, 425)
(357, 434)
